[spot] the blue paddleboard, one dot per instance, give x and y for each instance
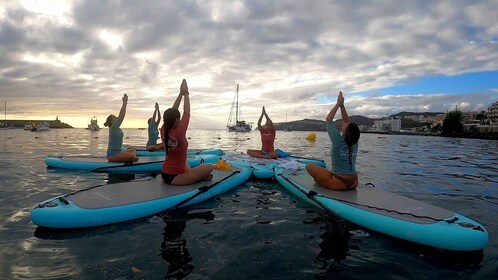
(390, 213)
(263, 168)
(100, 164)
(119, 202)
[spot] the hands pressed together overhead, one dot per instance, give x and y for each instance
(340, 100)
(184, 88)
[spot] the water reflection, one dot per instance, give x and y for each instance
(334, 246)
(120, 177)
(174, 247)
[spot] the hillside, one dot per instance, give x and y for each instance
(319, 125)
(404, 114)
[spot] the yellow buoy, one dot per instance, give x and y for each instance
(311, 136)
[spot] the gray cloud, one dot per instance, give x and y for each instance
(286, 55)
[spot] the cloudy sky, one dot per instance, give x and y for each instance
(75, 59)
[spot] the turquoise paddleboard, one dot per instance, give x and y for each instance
(263, 168)
(100, 164)
(142, 152)
(390, 213)
(114, 203)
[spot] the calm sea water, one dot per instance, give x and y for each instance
(257, 230)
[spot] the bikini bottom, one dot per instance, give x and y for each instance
(347, 182)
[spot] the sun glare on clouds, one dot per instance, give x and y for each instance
(59, 9)
(112, 39)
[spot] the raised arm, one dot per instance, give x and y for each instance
(340, 102)
(122, 112)
(344, 114)
(158, 114)
(261, 118)
(186, 99)
(176, 105)
(155, 113)
(333, 111)
(268, 120)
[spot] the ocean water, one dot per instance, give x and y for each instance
(255, 231)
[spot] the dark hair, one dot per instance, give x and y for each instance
(351, 137)
(170, 116)
(109, 121)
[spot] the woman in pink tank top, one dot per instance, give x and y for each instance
(268, 134)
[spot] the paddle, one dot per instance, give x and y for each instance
(311, 195)
(128, 163)
(283, 154)
(200, 191)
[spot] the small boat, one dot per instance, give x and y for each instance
(236, 125)
(28, 126)
(42, 127)
(4, 126)
(93, 126)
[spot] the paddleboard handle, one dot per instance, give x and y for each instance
(64, 200)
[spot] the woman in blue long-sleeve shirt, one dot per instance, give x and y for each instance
(343, 153)
(115, 151)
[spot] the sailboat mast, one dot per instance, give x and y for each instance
(237, 107)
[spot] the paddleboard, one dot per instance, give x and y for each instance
(389, 213)
(263, 168)
(100, 164)
(119, 202)
(142, 151)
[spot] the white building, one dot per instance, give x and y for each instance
(492, 113)
(388, 125)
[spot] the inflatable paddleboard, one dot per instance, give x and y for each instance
(390, 213)
(143, 152)
(263, 168)
(114, 203)
(145, 164)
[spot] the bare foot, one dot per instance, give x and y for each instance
(209, 177)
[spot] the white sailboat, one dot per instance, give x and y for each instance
(5, 125)
(236, 125)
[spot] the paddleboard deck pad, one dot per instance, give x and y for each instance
(389, 213)
(264, 168)
(114, 203)
(100, 164)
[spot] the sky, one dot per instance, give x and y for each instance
(75, 59)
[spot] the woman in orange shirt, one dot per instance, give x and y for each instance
(175, 169)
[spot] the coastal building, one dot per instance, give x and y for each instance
(388, 125)
(492, 113)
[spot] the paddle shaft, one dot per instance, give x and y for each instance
(124, 165)
(311, 195)
(201, 190)
(315, 159)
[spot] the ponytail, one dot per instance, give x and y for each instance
(351, 137)
(170, 116)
